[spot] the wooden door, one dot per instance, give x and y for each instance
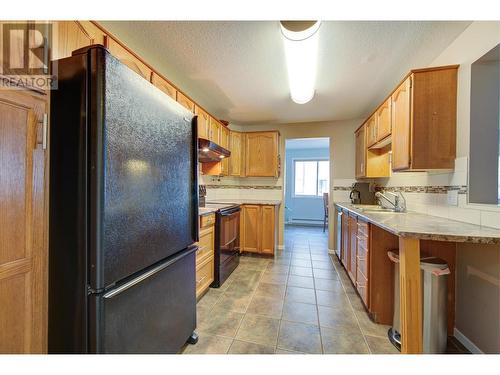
(360, 156)
(353, 232)
(23, 224)
(67, 37)
(345, 239)
(371, 131)
(384, 124)
(262, 154)
(268, 230)
(214, 134)
(203, 122)
(128, 58)
(401, 126)
(250, 228)
(164, 85)
(185, 101)
(235, 145)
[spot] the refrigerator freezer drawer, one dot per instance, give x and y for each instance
(152, 313)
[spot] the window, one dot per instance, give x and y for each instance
(312, 177)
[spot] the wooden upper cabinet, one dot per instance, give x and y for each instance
(185, 101)
(67, 37)
(250, 228)
(214, 130)
(164, 85)
(384, 124)
(23, 223)
(268, 232)
(224, 137)
(203, 122)
(235, 146)
(360, 156)
(262, 154)
(129, 59)
(401, 126)
(371, 131)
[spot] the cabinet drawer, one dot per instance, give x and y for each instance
(207, 220)
(362, 242)
(204, 275)
(205, 245)
(363, 291)
(362, 228)
(362, 267)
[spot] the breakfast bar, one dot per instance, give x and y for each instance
(412, 229)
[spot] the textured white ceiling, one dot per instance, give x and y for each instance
(307, 143)
(236, 69)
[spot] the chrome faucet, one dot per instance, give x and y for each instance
(398, 199)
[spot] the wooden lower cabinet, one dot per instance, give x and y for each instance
(23, 223)
(258, 228)
(353, 233)
(205, 254)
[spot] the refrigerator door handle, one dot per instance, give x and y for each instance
(116, 291)
(196, 229)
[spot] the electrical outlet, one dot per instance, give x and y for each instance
(452, 197)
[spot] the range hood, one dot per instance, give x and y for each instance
(209, 151)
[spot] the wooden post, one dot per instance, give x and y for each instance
(410, 295)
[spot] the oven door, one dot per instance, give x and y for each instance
(229, 234)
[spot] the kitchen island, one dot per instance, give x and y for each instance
(411, 232)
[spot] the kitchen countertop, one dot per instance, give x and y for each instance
(248, 201)
(202, 211)
(427, 227)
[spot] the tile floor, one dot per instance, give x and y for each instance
(300, 301)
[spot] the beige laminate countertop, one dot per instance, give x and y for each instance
(267, 202)
(427, 227)
(202, 211)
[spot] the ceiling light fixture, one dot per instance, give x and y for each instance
(301, 52)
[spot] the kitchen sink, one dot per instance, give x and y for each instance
(372, 208)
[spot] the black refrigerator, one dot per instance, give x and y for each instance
(123, 211)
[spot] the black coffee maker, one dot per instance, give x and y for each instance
(361, 194)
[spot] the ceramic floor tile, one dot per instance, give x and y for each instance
(222, 322)
(326, 274)
(209, 344)
(234, 302)
(259, 330)
(299, 337)
(270, 307)
(274, 278)
(331, 299)
(298, 255)
(304, 295)
(300, 312)
(275, 291)
(328, 285)
(277, 268)
(381, 345)
(342, 343)
(243, 347)
(301, 271)
(301, 281)
(300, 263)
(333, 317)
(283, 351)
(210, 298)
(370, 328)
(322, 265)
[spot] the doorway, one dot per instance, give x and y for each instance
(307, 179)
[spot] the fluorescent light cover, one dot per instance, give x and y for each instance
(301, 52)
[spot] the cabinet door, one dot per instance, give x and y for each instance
(203, 122)
(262, 154)
(224, 137)
(185, 101)
(401, 126)
(129, 59)
(353, 243)
(268, 231)
(23, 225)
(250, 228)
(360, 152)
(345, 239)
(384, 124)
(214, 133)
(164, 85)
(235, 148)
(371, 131)
(68, 36)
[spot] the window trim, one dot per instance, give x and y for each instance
(316, 159)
